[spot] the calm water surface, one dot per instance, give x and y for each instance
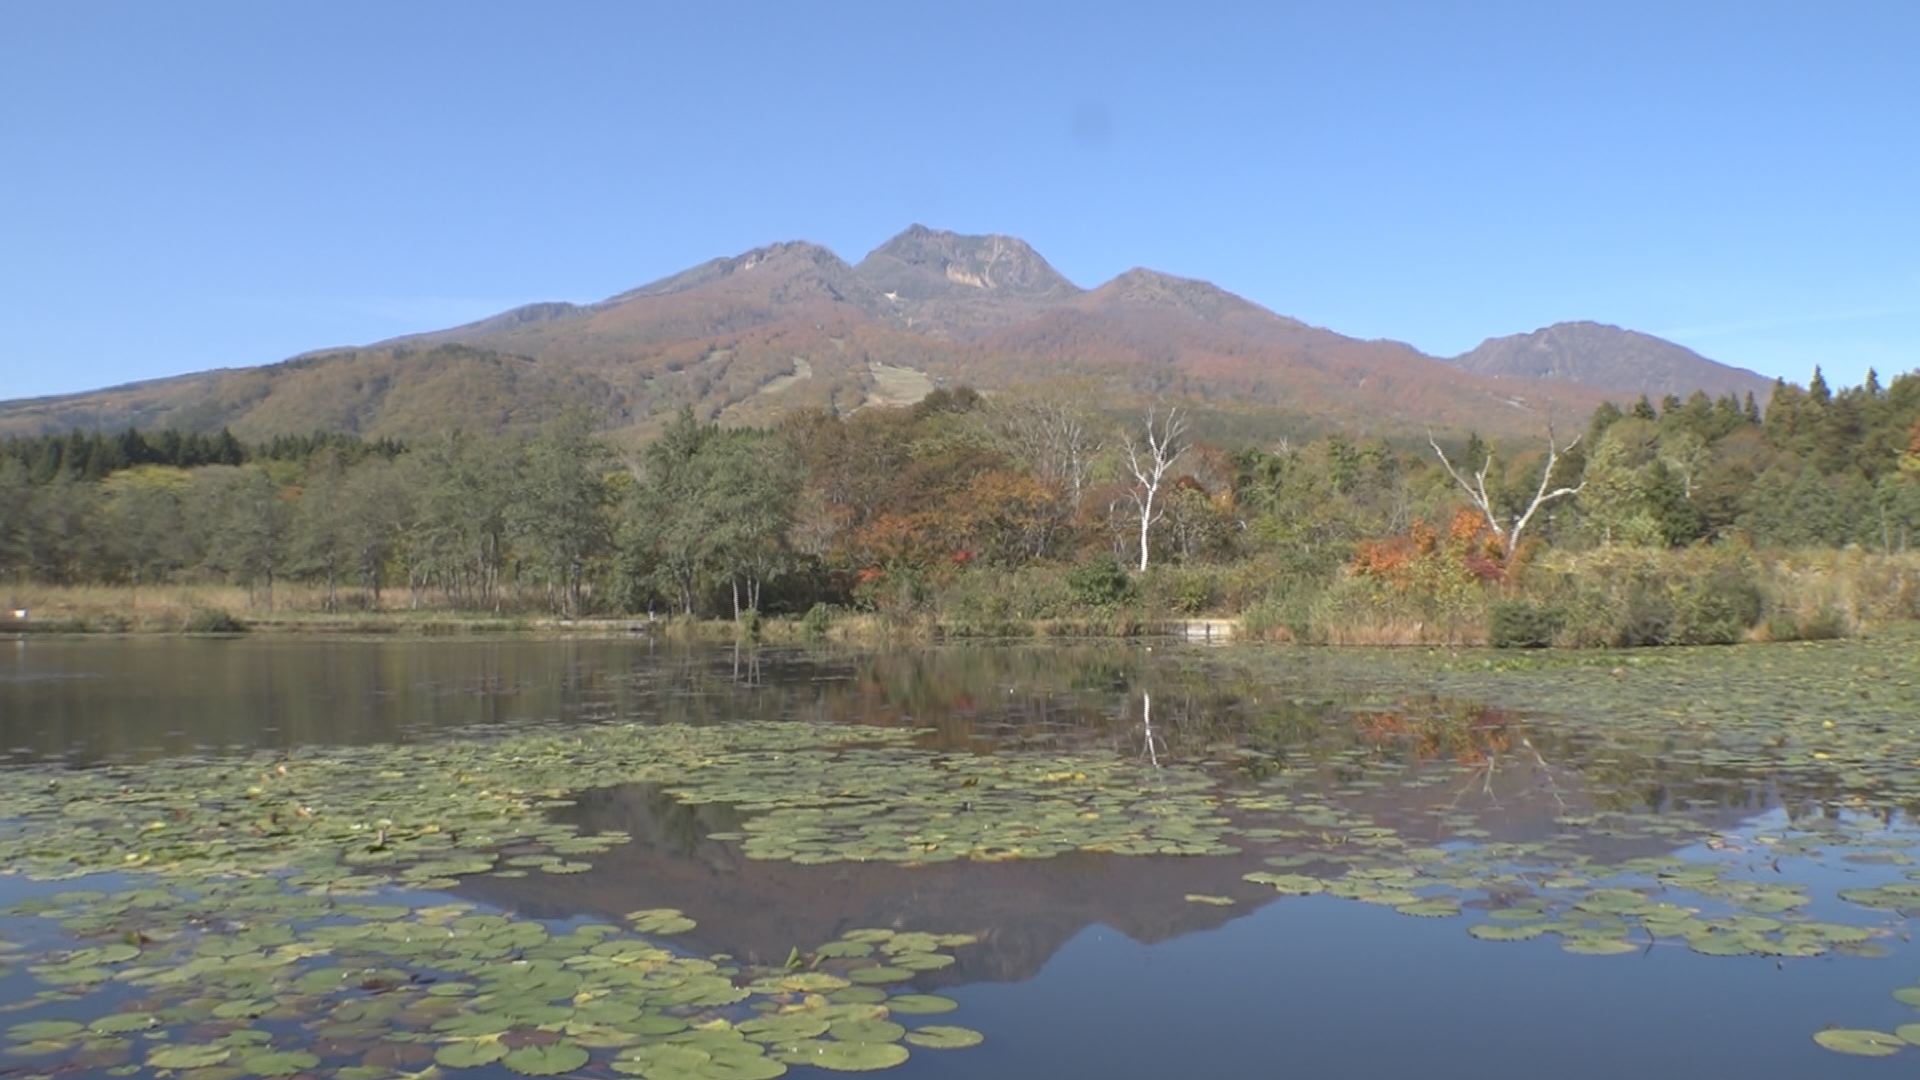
(1088, 965)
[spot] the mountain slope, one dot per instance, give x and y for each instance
(746, 338)
(398, 391)
(1623, 363)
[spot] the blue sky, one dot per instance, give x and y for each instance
(185, 186)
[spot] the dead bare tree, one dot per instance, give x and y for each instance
(1057, 437)
(1509, 532)
(1165, 441)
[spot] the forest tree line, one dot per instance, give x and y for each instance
(886, 507)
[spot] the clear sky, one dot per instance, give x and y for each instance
(205, 184)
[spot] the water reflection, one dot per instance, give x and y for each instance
(1432, 770)
(1022, 910)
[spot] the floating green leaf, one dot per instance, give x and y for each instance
(1859, 1042)
(550, 1059)
(470, 1053)
(944, 1037)
(187, 1056)
(920, 1004)
(844, 1056)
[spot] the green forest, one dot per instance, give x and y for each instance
(1677, 521)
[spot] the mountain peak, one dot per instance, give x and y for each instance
(747, 336)
(793, 253)
(1141, 287)
(1607, 357)
(923, 264)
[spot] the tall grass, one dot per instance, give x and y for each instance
(174, 607)
(1608, 597)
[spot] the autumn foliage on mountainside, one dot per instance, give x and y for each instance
(746, 339)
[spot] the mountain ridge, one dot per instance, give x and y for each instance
(745, 338)
(1606, 356)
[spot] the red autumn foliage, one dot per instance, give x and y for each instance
(1467, 546)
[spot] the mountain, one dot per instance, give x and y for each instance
(745, 339)
(1624, 363)
(955, 286)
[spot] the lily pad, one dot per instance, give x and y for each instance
(470, 1054)
(550, 1059)
(920, 1004)
(945, 1037)
(879, 974)
(187, 1056)
(277, 1063)
(1860, 1042)
(845, 1056)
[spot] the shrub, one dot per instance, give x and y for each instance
(1193, 592)
(1276, 618)
(1827, 624)
(988, 595)
(1100, 583)
(1716, 612)
(1647, 617)
(1519, 624)
(1629, 597)
(1824, 625)
(815, 622)
(1177, 590)
(898, 595)
(213, 621)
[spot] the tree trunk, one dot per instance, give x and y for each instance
(1146, 519)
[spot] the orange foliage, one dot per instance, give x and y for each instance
(1007, 516)
(915, 539)
(1468, 546)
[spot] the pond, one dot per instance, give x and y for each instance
(284, 856)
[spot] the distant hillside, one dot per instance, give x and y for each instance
(1623, 363)
(746, 338)
(389, 391)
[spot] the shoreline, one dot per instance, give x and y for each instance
(847, 629)
(856, 628)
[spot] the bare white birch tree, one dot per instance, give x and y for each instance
(1509, 532)
(1165, 441)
